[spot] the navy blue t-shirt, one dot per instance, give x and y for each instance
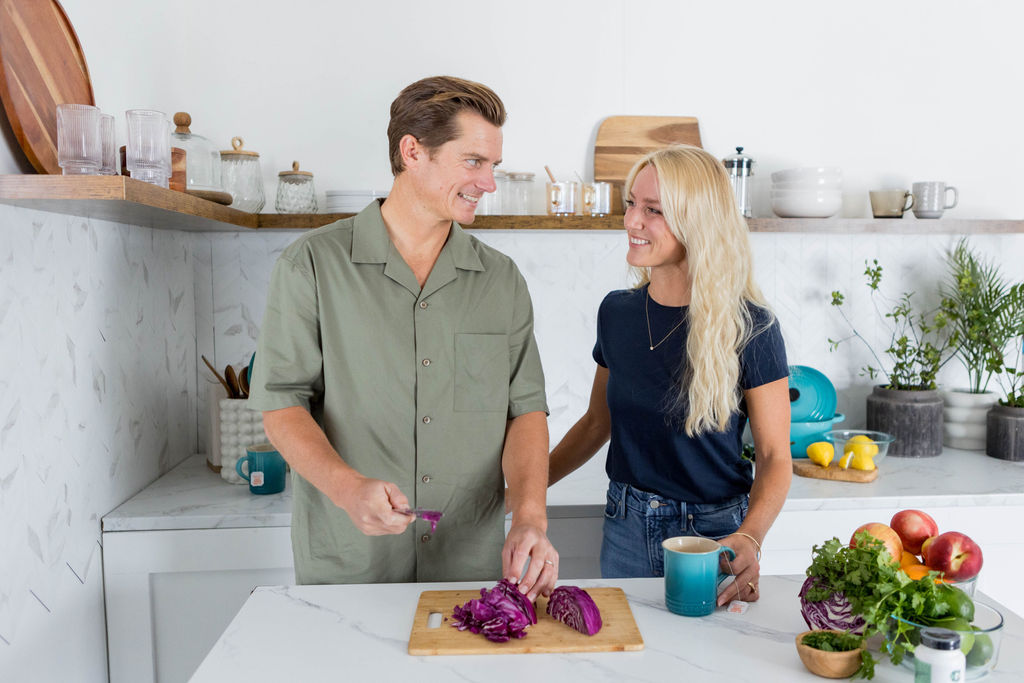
(649, 449)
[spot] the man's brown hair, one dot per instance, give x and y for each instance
(427, 109)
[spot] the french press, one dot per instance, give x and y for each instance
(740, 168)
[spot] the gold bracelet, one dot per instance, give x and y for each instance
(754, 541)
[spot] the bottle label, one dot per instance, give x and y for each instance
(923, 673)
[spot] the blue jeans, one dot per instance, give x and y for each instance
(636, 522)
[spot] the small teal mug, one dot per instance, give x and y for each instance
(266, 469)
(692, 575)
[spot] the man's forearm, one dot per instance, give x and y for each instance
(525, 465)
(302, 442)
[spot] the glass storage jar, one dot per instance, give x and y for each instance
(519, 194)
(241, 177)
(202, 160)
(491, 203)
(295, 193)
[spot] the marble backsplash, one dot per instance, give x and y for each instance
(97, 399)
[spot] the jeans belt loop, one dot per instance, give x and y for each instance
(622, 502)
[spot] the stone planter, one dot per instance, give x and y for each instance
(1005, 438)
(964, 418)
(914, 418)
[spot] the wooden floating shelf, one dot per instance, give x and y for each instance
(123, 200)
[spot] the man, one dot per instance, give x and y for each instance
(397, 368)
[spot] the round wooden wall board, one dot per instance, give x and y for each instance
(42, 66)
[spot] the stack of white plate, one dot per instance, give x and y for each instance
(351, 201)
(807, 192)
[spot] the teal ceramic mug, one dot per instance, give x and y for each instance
(692, 574)
(266, 469)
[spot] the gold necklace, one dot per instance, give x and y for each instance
(647, 316)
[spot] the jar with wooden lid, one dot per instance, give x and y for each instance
(295, 193)
(240, 174)
(202, 160)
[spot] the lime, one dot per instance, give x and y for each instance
(981, 653)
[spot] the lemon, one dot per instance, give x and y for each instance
(861, 462)
(844, 461)
(821, 452)
(861, 445)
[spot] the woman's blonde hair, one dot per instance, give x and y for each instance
(699, 206)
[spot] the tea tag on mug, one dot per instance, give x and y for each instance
(256, 479)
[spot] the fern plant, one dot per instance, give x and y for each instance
(919, 344)
(985, 315)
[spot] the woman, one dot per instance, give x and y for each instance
(684, 359)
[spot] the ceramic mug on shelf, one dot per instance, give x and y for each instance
(266, 469)
(930, 198)
(692, 574)
(890, 203)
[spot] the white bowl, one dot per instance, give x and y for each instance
(808, 174)
(806, 203)
(822, 183)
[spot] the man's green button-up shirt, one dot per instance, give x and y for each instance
(410, 386)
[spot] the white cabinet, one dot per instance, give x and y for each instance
(171, 593)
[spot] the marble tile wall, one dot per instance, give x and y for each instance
(97, 399)
(569, 272)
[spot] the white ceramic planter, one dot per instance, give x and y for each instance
(964, 418)
(239, 428)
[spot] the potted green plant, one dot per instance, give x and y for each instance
(984, 314)
(907, 405)
(1005, 435)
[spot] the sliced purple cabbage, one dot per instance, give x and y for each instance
(574, 607)
(835, 612)
(500, 614)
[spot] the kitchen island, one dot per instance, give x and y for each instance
(361, 632)
(181, 557)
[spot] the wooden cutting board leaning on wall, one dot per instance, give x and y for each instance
(623, 140)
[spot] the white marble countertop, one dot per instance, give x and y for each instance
(361, 632)
(191, 496)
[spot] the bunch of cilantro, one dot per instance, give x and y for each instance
(878, 591)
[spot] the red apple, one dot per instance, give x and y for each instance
(924, 548)
(913, 527)
(955, 554)
(883, 533)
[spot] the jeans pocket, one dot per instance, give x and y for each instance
(717, 520)
(613, 506)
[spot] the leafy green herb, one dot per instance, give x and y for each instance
(832, 641)
(879, 591)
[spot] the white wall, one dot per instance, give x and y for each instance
(891, 92)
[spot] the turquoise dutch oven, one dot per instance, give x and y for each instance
(803, 434)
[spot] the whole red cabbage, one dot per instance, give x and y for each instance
(574, 607)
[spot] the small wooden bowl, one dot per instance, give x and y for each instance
(828, 664)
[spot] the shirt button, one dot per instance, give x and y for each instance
(426, 362)
(425, 538)
(426, 420)
(425, 478)
(423, 304)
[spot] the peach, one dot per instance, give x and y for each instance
(913, 527)
(956, 555)
(885, 534)
(924, 548)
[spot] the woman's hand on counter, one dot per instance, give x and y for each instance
(746, 568)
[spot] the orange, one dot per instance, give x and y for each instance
(908, 559)
(916, 571)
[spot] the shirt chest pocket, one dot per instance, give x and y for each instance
(481, 372)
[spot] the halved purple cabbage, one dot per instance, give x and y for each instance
(834, 612)
(574, 607)
(500, 614)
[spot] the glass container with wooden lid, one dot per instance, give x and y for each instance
(295, 192)
(241, 176)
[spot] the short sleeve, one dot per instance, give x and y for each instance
(598, 346)
(526, 381)
(289, 359)
(764, 358)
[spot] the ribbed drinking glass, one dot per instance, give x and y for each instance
(78, 139)
(148, 151)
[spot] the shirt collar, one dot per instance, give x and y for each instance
(371, 244)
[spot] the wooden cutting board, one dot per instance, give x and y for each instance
(622, 140)
(42, 66)
(618, 632)
(806, 468)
